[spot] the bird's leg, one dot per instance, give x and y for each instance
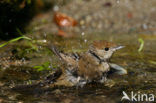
(118, 69)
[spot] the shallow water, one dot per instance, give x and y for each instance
(141, 67)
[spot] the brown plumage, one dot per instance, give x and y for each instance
(90, 68)
(102, 44)
(91, 65)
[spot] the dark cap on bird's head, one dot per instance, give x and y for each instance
(103, 44)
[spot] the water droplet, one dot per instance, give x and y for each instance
(82, 33)
(85, 40)
(118, 1)
(44, 41)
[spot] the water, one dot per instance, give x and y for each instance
(141, 69)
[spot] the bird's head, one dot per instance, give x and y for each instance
(104, 49)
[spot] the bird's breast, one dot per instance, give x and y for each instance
(90, 68)
(104, 67)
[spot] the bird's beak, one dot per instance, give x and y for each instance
(118, 47)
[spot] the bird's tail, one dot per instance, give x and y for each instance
(54, 49)
(67, 58)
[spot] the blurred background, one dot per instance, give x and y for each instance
(113, 16)
(28, 27)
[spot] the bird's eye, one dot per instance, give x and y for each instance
(106, 49)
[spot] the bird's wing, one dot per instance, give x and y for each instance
(70, 59)
(118, 69)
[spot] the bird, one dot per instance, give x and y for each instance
(92, 65)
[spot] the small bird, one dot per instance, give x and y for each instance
(92, 65)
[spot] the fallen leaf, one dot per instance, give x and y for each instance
(63, 20)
